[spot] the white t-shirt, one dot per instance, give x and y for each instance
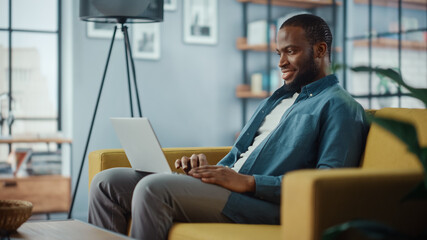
(268, 125)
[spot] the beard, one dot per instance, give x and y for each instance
(306, 75)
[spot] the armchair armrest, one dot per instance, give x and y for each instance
(110, 158)
(314, 200)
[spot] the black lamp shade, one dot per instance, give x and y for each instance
(121, 11)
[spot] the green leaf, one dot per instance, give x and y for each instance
(420, 93)
(418, 193)
(371, 229)
(423, 159)
(404, 131)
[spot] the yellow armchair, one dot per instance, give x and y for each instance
(313, 200)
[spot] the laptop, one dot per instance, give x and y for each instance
(141, 145)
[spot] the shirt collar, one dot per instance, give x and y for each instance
(318, 86)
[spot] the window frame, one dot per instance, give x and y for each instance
(9, 31)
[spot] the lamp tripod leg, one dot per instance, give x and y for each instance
(91, 125)
(125, 33)
(129, 50)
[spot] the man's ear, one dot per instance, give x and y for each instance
(320, 49)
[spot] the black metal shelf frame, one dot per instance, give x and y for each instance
(370, 38)
(386, 34)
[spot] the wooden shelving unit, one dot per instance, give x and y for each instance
(413, 4)
(293, 3)
(391, 43)
(242, 44)
(244, 91)
(34, 140)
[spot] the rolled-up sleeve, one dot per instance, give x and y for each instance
(268, 187)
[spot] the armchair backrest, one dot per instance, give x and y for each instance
(385, 151)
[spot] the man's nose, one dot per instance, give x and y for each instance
(283, 61)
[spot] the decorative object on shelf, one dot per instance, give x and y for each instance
(117, 12)
(100, 30)
(258, 32)
(146, 41)
(201, 21)
(170, 5)
(13, 213)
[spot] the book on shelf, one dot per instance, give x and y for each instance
(5, 168)
(45, 163)
(40, 163)
(261, 81)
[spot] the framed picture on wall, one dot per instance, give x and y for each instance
(102, 30)
(169, 5)
(200, 21)
(146, 41)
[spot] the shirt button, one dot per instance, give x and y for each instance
(262, 111)
(311, 94)
(247, 134)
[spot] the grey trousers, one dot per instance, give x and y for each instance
(154, 201)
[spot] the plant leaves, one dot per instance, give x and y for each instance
(420, 93)
(417, 193)
(423, 159)
(404, 131)
(371, 229)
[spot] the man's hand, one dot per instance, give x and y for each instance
(188, 163)
(224, 177)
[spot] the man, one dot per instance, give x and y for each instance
(310, 122)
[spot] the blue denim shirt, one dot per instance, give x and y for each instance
(324, 128)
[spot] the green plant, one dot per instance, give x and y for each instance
(407, 133)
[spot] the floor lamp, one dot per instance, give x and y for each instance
(117, 12)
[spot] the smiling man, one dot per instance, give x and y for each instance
(310, 122)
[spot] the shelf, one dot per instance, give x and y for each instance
(391, 43)
(293, 3)
(244, 91)
(34, 140)
(242, 44)
(414, 4)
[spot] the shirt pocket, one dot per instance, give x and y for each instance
(299, 130)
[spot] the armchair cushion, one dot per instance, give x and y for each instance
(110, 158)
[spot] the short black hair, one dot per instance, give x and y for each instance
(316, 29)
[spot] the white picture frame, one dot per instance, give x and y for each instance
(170, 5)
(200, 21)
(102, 30)
(146, 41)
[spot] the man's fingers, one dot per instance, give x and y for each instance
(184, 163)
(177, 163)
(209, 180)
(202, 159)
(209, 168)
(194, 161)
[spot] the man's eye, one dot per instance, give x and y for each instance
(290, 51)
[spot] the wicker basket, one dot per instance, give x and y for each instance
(13, 213)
